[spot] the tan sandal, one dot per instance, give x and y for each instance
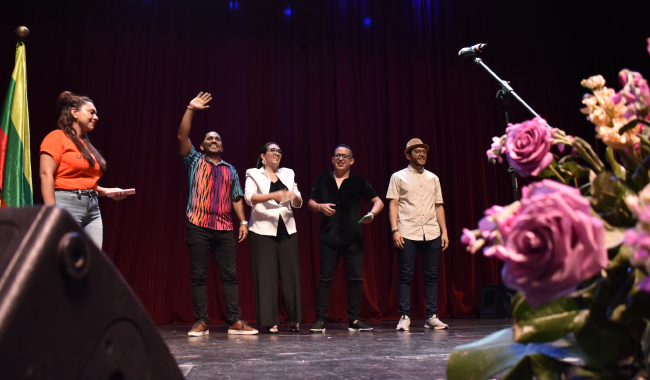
(273, 329)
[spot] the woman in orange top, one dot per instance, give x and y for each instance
(71, 166)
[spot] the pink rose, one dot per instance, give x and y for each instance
(554, 243)
(528, 146)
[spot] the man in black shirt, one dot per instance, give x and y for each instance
(336, 196)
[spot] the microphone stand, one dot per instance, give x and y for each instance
(504, 94)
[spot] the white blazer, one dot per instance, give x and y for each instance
(265, 215)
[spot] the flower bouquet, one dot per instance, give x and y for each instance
(576, 247)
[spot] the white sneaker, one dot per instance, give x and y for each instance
(404, 323)
(435, 323)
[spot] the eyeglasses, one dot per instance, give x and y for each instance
(342, 156)
(273, 150)
(420, 152)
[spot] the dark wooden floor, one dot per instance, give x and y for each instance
(336, 354)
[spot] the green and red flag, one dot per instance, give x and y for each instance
(15, 164)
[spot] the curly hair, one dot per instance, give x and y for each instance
(66, 102)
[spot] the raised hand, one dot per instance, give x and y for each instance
(199, 103)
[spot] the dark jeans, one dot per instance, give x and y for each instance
(430, 251)
(272, 256)
(329, 259)
(201, 241)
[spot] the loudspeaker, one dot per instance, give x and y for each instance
(65, 311)
(495, 301)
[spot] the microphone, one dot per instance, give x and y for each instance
(472, 50)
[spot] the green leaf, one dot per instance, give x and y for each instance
(630, 161)
(574, 169)
(636, 310)
(521, 371)
(553, 171)
(639, 178)
(620, 263)
(546, 173)
(618, 170)
(545, 323)
(644, 139)
(614, 237)
(600, 338)
(546, 368)
(607, 197)
(498, 351)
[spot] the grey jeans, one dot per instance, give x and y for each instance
(83, 206)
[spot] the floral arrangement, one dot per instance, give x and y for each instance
(576, 247)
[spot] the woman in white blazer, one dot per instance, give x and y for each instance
(272, 192)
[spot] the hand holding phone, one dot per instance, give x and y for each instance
(113, 193)
(365, 217)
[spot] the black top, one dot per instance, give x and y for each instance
(277, 186)
(343, 227)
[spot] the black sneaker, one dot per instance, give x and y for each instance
(319, 326)
(359, 326)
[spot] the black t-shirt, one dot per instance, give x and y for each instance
(343, 227)
(277, 186)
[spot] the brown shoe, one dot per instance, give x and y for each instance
(199, 329)
(241, 328)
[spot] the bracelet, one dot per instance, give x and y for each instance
(319, 207)
(393, 232)
(191, 109)
(244, 223)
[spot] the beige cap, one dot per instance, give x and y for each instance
(414, 143)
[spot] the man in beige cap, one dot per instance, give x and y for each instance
(417, 222)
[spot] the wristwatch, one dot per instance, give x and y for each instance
(244, 223)
(393, 232)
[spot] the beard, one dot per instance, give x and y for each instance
(415, 163)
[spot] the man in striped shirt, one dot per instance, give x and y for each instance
(214, 187)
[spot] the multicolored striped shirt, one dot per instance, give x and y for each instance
(212, 190)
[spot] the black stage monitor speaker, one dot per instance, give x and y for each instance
(65, 311)
(495, 301)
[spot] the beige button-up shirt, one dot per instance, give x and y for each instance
(418, 192)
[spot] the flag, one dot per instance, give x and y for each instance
(16, 188)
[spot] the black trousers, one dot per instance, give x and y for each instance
(201, 241)
(272, 256)
(430, 251)
(329, 259)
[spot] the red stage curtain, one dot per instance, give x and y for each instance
(309, 75)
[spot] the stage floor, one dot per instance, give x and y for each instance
(336, 354)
